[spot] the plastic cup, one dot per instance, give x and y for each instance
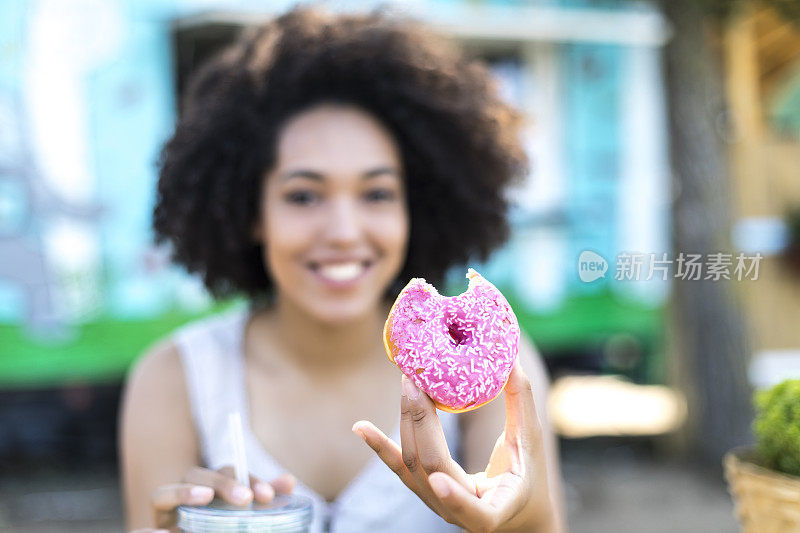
(287, 513)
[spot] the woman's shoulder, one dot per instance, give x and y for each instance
(156, 373)
(156, 429)
(154, 401)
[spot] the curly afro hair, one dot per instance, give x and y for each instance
(459, 142)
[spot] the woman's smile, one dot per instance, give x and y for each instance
(341, 274)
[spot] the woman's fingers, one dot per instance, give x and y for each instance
(224, 486)
(283, 484)
(166, 498)
(202, 484)
(464, 507)
(499, 504)
(521, 417)
(416, 414)
(391, 454)
(387, 450)
(504, 496)
(432, 454)
(263, 492)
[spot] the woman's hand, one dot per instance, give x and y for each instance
(511, 494)
(201, 485)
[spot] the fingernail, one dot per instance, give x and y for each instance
(410, 390)
(439, 486)
(264, 490)
(241, 494)
(201, 494)
(358, 431)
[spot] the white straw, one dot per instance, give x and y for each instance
(237, 442)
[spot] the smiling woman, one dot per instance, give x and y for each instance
(320, 163)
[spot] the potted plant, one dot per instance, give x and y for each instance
(765, 481)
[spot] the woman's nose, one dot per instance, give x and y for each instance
(343, 224)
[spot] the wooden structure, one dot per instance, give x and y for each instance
(762, 55)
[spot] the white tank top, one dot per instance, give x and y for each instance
(375, 500)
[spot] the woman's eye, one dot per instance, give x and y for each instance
(301, 197)
(379, 195)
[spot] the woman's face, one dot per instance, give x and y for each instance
(334, 224)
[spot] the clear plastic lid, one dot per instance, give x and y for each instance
(285, 514)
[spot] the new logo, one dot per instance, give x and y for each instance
(591, 266)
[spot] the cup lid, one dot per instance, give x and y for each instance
(287, 512)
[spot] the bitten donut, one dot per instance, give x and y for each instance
(458, 350)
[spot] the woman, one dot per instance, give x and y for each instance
(319, 164)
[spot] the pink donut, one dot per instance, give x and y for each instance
(458, 350)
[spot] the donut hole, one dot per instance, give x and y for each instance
(458, 334)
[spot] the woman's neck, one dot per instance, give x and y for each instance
(323, 348)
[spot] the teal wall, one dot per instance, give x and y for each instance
(592, 75)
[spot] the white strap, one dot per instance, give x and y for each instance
(208, 349)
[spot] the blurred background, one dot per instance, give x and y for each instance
(654, 129)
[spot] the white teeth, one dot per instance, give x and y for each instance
(342, 271)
